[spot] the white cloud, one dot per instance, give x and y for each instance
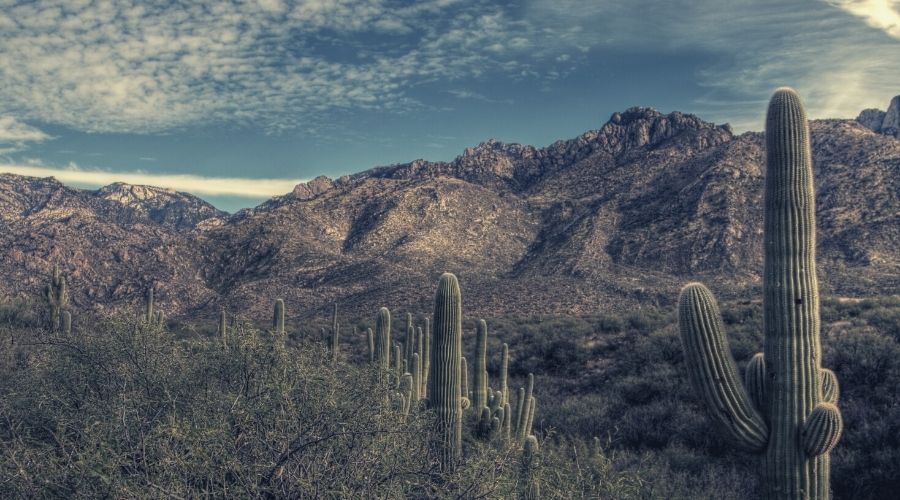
(136, 66)
(15, 135)
(879, 14)
(747, 48)
(196, 184)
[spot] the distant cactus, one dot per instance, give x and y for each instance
(278, 318)
(370, 338)
(149, 316)
(223, 327)
(480, 389)
(445, 380)
(788, 413)
(504, 374)
(525, 411)
(416, 371)
(383, 339)
(507, 422)
(57, 295)
(160, 318)
(67, 322)
(464, 381)
(531, 485)
(426, 358)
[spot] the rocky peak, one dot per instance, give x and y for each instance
(311, 189)
(163, 206)
(883, 122)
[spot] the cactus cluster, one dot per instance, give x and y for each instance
(786, 407)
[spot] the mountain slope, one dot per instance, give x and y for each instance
(618, 216)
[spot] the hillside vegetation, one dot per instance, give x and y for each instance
(119, 408)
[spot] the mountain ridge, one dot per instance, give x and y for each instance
(617, 216)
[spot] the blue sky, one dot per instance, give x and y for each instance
(238, 101)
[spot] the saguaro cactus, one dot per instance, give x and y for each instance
(149, 315)
(278, 318)
(57, 294)
(67, 322)
(444, 391)
(479, 378)
(383, 338)
(791, 415)
(531, 485)
(223, 327)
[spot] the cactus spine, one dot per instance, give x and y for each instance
(444, 383)
(796, 424)
(480, 390)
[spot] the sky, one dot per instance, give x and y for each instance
(239, 101)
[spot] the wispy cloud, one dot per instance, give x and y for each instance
(16, 135)
(137, 66)
(468, 94)
(880, 14)
(196, 184)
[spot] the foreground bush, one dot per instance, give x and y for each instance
(123, 409)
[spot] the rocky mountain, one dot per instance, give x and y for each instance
(617, 217)
(883, 122)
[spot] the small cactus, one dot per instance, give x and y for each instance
(531, 485)
(383, 339)
(504, 374)
(370, 338)
(223, 327)
(480, 373)
(278, 318)
(57, 295)
(67, 322)
(149, 316)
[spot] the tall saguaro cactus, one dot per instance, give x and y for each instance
(444, 383)
(791, 415)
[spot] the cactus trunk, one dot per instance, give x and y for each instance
(444, 383)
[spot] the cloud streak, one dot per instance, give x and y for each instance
(15, 135)
(195, 184)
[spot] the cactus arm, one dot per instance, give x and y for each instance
(822, 430)
(755, 380)
(712, 371)
(830, 389)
